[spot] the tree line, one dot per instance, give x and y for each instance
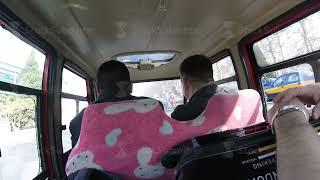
(19, 110)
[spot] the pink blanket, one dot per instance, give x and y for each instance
(129, 137)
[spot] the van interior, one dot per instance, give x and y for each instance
(50, 51)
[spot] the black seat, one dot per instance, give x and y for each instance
(171, 159)
(248, 154)
(247, 157)
(241, 154)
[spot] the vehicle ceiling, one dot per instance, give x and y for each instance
(90, 32)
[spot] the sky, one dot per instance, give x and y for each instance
(15, 52)
(73, 84)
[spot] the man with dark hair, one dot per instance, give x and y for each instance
(113, 81)
(198, 87)
(113, 84)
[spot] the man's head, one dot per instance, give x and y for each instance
(195, 73)
(113, 76)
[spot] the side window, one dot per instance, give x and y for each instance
(224, 73)
(20, 63)
(73, 101)
(169, 92)
(223, 69)
(287, 80)
(21, 74)
(295, 47)
(298, 39)
(293, 78)
(280, 81)
(230, 86)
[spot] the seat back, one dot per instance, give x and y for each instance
(172, 158)
(129, 137)
(243, 158)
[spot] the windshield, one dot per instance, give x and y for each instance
(168, 92)
(154, 57)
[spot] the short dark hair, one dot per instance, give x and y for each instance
(111, 75)
(197, 67)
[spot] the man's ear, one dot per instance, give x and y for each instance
(182, 80)
(186, 87)
(186, 84)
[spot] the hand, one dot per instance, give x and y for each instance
(272, 113)
(306, 94)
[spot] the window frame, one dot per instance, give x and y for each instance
(159, 79)
(90, 83)
(253, 71)
(48, 98)
(44, 120)
(221, 55)
(176, 53)
(163, 79)
(69, 65)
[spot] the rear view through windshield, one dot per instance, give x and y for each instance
(168, 92)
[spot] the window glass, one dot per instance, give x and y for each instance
(293, 78)
(168, 92)
(280, 81)
(287, 78)
(73, 84)
(300, 38)
(267, 82)
(19, 143)
(69, 109)
(230, 86)
(20, 63)
(82, 105)
(223, 69)
(154, 57)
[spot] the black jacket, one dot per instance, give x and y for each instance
(196, 105)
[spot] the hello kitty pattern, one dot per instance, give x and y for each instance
(128, 138)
